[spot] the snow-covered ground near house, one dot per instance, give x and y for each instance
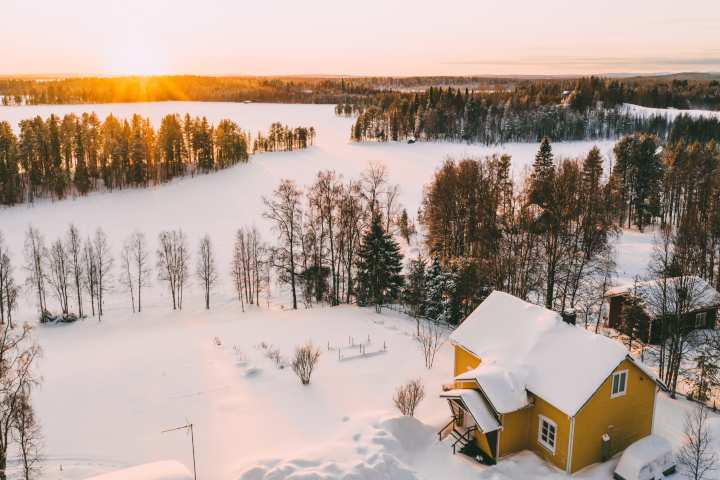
(109, 389)
(164, 470)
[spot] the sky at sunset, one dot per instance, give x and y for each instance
(370, 37)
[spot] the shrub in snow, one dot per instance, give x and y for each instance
(408, 396)
(697, 455)
(274, 355)
(303, 364)
(431, 337)
(46, 317)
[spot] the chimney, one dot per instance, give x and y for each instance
(569, 316)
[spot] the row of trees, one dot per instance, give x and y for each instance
(77, 272)
(449, 114)
(58, 157)
(579, 93)
(180, 87)
(283, 138)
(332, 237)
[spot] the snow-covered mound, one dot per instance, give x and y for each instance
(380, 451)
(167, 470)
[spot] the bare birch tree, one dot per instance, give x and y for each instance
(697, 455)
(18, 352)
(103, 267)
(140, 259)
(73, 247)
(27, 434)
(90, 282)
(206, 270)
(285, 211)
(173, 260)
(127, 279)
(8, 288)
(59, 277)
(431, 338)
(35, 254)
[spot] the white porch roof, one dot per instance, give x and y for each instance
(478, 408)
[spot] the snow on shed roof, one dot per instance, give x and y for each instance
(165, 470)
(702, 296)
(505, 391)
(477, 407)
(562, 364)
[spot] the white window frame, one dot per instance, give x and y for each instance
(549, 447)
(622, 392)
(703, 322)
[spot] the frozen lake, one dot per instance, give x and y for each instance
(221, 202)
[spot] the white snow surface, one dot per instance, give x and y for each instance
(109, 389)
(165, 470)
(477, 407)
(669, 113)
(538, 348)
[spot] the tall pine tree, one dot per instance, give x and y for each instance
(379, 265)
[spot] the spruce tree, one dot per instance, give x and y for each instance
(435, 290)
(414, 292)
(541, 180)
(379, 265)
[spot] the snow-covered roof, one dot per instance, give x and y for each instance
(652, 455)
(703, 296)
(485, 419)
(166, 470)
(525, 345)
(503, 389)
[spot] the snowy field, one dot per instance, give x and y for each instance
(110, 389)
(670, 113)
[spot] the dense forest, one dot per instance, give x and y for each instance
(77, 154)
(592, 110)
(671, 91)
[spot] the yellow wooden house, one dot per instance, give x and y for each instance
(526, 380)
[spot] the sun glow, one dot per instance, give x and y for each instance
(135, 58)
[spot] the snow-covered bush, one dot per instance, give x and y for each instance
(408, 396)
(48, 317)
(303, 364)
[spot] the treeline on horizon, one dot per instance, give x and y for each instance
(167, 88)
(594, 109)
(78, 154)
(661, 92)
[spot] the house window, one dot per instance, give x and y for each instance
(619, 384)
(547, 433)
(701, 320)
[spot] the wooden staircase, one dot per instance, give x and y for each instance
(464, 442)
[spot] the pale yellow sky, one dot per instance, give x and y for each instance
(361, 37)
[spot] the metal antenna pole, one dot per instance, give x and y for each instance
(189, 426)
